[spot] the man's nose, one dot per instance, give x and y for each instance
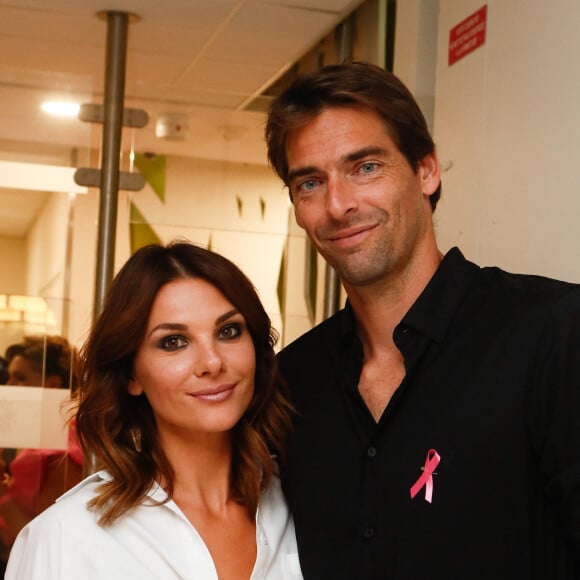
(341, 196)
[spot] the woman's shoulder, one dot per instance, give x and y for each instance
(63, 527)
(273, 516)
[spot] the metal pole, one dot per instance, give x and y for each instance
(115, 65)
(331, 291)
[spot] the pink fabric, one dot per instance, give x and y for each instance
(28, 471)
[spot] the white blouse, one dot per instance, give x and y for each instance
(149, 542)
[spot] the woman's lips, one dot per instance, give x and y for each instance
(214, 395)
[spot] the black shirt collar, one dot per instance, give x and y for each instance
(433, 311)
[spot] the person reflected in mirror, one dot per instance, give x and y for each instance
(182, 408)
(33, 478)
(42, 361)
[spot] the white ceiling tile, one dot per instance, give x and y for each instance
(228, 77)
(255, 35)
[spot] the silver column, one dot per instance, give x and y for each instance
(115, 65)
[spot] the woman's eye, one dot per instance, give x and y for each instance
(230, 331)
(173, 342)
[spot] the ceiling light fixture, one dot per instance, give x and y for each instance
(61, 108)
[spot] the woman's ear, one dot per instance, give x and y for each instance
(134, 387)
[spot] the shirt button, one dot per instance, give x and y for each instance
(371, 452)
(368, 532)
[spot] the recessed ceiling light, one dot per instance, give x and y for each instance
(61, 108)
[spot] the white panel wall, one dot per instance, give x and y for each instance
(202, 204)
(46, 247)
(12, 265)
(507, 123)
(416, 50)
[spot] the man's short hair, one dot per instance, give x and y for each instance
(350, 84)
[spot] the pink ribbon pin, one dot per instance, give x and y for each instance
(426, 478)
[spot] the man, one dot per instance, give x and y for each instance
(437, 433)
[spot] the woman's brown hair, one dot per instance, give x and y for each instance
(119, 430)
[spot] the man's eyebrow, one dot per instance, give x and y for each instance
(300, 171)
(364, 152)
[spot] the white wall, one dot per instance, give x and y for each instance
(46, 251)
(507, 121)
(35, 265)
(12, 265)
(415, 50)
(201, 204)
(46, 248)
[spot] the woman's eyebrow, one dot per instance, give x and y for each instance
(168, 326)
(226, 315)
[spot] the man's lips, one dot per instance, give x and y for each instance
(349, 236)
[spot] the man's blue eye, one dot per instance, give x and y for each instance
(368, 167)
(307, 185)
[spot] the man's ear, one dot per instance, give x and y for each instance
(429, 173)
(134, 388)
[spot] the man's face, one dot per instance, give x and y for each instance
(356, 195)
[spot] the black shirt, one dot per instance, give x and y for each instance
(493, 386)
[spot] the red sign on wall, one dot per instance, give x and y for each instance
(468, 35)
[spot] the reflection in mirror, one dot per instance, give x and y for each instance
(39, 455)
(30, 315)
(42, 360)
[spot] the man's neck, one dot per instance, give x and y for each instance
(378, 308)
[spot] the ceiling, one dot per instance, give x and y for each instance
(206, 61)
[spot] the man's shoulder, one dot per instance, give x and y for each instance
(529, 289)
(324, 333)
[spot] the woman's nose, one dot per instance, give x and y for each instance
(208, 360)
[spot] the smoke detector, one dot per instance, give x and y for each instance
(172, 126)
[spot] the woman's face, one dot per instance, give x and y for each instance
(196, 364)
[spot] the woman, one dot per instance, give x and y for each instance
(182, 406)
